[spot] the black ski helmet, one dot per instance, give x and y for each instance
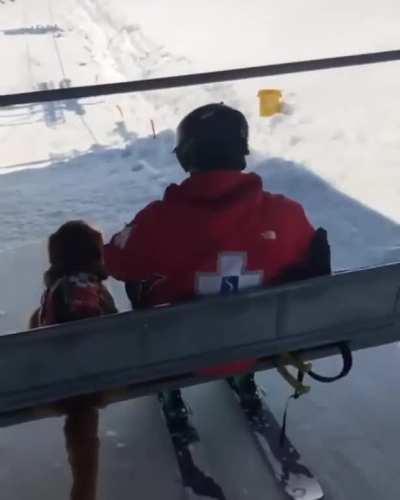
(211, 137)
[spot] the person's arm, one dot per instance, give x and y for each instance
(117, 254)
(317, 261)
(139, 291)
(128, 255)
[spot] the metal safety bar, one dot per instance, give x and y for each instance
(168, 347)
(198, 78)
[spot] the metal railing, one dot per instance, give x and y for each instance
(169, 347)
(198, 78)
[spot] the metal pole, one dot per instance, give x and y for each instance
(197, 78)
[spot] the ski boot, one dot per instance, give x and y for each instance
(246, 388)
(174, 408)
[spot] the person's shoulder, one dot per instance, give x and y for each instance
(150, 208)
(155, 208)
(283, 203)
(173, 190)
(148, 212)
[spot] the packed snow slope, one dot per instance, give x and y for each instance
(335, 148)
(341, 124)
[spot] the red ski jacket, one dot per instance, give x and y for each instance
(216, 233)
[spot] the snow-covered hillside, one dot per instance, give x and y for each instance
(335, 148)
(341, 124)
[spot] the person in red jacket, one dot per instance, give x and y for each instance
(217, 232)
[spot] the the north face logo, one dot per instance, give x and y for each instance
(269, 235)
(231, 276)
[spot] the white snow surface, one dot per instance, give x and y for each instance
(335, 148)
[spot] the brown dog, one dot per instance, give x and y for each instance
(75, 290)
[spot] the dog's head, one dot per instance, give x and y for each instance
(75, 248)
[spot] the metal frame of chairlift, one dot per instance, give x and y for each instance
(163, 348)
(198, 78)
(144, 352)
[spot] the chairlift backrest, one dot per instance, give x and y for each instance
(141, 348)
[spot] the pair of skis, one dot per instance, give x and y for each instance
(294, 478)
(196, 480)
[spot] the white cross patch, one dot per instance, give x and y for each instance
(231, 276)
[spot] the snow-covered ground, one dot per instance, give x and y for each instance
(335, 148)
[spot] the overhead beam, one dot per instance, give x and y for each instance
(198, 78)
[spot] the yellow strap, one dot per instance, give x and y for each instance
(291, 359)
(292, 381)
